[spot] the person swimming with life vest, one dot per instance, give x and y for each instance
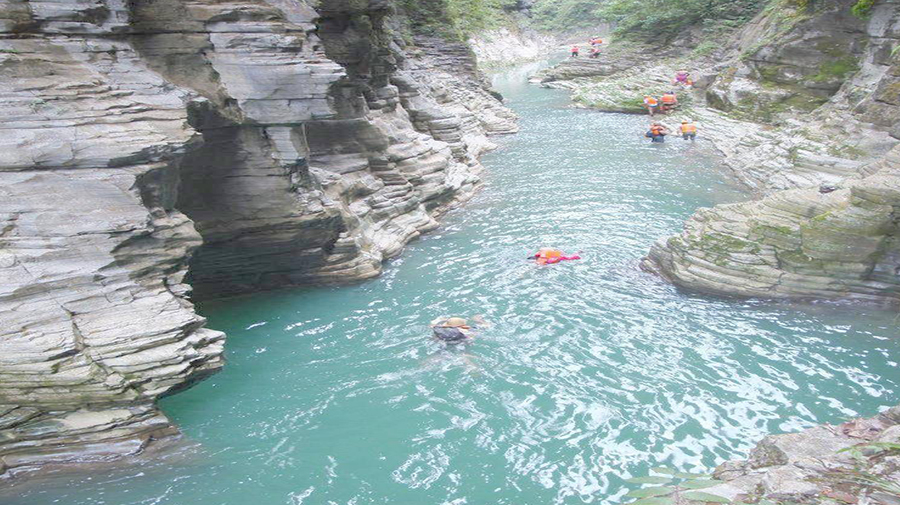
(549, 256)
(657, 132)
(652, 104)
(455, 330)
(575, 51)
(688, 130)
(669, 102)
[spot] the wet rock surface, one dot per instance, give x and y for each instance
(156, 147)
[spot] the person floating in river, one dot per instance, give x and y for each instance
(688, 130)
(657, 132)
(596, 41)
(575, 50)
(669, 102)
(549, 256)
(455, 330)
(652, 104)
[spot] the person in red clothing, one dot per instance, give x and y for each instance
(575, 50)
(548, 256)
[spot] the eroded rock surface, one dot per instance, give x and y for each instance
(240, 145)
(840, 242)
(826, 465)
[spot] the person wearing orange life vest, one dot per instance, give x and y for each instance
(575, 50)
(669, 101)
(652, 104)
(688, 130)
(657, 132)
(549, 256)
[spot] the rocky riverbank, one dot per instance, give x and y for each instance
(155, 148)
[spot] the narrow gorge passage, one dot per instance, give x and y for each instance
(592, 372)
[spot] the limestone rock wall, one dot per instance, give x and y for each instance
(798, 243)
(817, 78)
(152, 147)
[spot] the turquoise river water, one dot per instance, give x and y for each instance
(591, 371)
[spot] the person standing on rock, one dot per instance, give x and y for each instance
(683, 78)
(652, 104)
(575, 50)
(688, 130)
(669, 102)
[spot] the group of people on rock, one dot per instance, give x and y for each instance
(666, 104)
(595, 43)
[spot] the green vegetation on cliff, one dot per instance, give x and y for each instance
(664, 20)
(455, 19)
(564, 15)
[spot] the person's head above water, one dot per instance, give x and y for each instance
(455, 322)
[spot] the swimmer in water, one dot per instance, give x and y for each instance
(455, 330)
(456, 334)
(548, 256)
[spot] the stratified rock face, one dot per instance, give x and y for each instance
(825, 79)
(798, 243)
(795, 58)
(814, 466)
(224, 142)
(92, 249)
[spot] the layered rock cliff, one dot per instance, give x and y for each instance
(795, 243)
(152, 147)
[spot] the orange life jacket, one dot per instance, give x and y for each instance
(651, 101)
(667, 98)
(688, 128)
(550, 253)
(656, 130)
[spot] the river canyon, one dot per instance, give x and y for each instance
(590, 372)
(318, 180)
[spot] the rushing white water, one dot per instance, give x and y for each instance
(590, 373)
